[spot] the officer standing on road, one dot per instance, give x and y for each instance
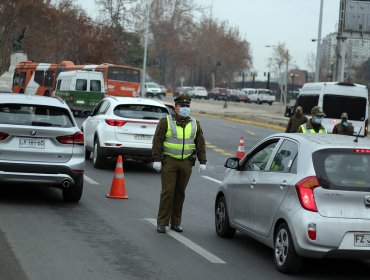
(313, 125)
(344, 127)
(296, 120)
(177, 142)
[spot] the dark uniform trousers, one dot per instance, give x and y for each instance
(175, 176)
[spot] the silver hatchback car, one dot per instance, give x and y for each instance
(41, 143)
(304, 195)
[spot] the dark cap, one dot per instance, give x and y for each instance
(344, 115)
(317, 111)
(183, 98)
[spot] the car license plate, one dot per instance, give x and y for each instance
(362, 240)
(142, 136)
(32, 143)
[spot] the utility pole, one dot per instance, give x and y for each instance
(317, 64)
(143, 74)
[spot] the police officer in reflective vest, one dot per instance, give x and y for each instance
(177, 142)
(313, 125)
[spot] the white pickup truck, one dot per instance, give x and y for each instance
(261, 95)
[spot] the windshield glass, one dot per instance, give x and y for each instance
(152, 86)
(342, 169)
(133, 111)
(123, 74)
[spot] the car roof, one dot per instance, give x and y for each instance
(136, 100)
(32, 99)
(315, 141)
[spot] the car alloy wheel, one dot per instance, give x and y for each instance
(286, 258)
(222, 223)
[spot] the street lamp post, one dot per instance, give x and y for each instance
(143, 74)
(317, 64)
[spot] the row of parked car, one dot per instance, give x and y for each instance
(247, 95)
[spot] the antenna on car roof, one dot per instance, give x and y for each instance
(356, 140)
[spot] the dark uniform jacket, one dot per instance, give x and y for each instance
(339, 128)
(160, 135)
(310, 125)
(295, 122)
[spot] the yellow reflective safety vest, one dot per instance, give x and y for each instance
(179, 141)
(311, 130)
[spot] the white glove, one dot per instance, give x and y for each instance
(202, 168)
(157, 165)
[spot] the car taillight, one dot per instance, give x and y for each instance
(77, 138)
(114, 122)
(306, 196)
(3, 135)
(363, 151)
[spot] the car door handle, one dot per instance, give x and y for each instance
(283, 184)
(253, 183)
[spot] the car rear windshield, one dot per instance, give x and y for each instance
(139, 111)
(343, 169)
(334, 105)
(35, 115)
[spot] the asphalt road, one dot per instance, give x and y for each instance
(41, 237)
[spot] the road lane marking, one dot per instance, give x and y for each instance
(212, 179)
(90, 181)
(228, 125)
(190, 244)
(250, 132)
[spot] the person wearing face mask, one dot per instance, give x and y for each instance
(313, 125)
(177, 142)
(344, 127)
(296, 120)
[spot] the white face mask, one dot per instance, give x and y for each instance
(184, 112)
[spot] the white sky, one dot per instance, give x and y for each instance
(268, 22)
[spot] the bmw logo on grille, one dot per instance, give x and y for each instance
(144, 126)
(33, 132)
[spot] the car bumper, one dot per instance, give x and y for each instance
(142, 153)
(52, 175)
(335, 237)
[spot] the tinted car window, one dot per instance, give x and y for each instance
(334, 105)
(308, 102)
(49, 78)
(35, 115)
(133, 111)
(342, 169)
(285, 156)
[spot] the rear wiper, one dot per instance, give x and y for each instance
(44, 124)
(150, 118)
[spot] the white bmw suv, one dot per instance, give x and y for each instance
(122, 126)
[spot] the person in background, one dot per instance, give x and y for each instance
(177, 142)
(313, 125)
(344, 127)
(296, 120)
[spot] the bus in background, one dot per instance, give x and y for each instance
(40, 78)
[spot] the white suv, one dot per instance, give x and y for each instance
(40, 143)
(122, 125)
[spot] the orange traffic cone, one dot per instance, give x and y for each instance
(118, 184)
(241, 149)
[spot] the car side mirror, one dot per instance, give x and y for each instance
(232, 163)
